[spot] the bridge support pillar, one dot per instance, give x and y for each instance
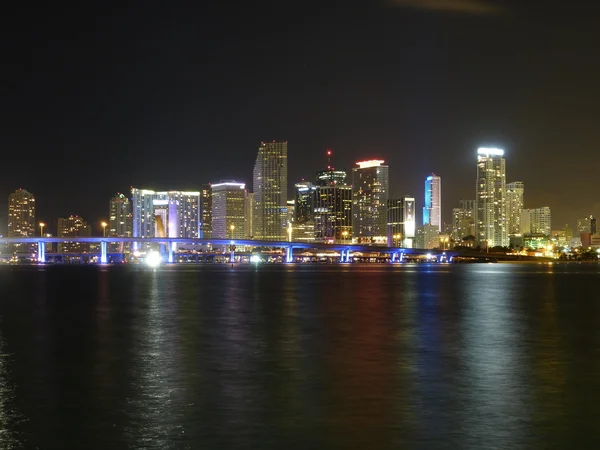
(171, 247)
(401, 259)
(289, 254)
(103, 256)
(41, 252)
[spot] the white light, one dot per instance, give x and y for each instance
(153, 259)
(230, 183)
(370, 163)
(490, 151)
(255, 259)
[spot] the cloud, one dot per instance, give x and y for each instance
(457, 6)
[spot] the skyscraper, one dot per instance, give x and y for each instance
(514, 205)
(401, 222)
(249, 213)
(304, 202)
(21, 214)
(206, 212)
(463, 220)
(270, 191)
(432, 211)
(120, 222)
(180, 210)
(369, 204)
(332, 207)
(73, 226)
(586, 225)
(228, 210)
(490, 216)
(540, 221)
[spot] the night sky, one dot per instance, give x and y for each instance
(95, 100)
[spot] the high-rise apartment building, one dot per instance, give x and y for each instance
(21, 214)
(463, 220)
(179, 213)
(270, 191)
(206, 212)
(120, 222)
(229, 210)
(370, 196)
(586, 225)
(432, 211)
(514, 205)
(490, 218)
(401, 222)
(540, 220)
(73, 226)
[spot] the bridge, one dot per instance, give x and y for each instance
(345, 249)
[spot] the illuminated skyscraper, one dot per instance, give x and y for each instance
(21, 214)
(514, 205)
(73, 226)
(490, 218)
(432, 211)
(401, 222)
(586, 225)
(120, 221)
(370, 195)
(463, 220)
(304, 202)
(206, 212)
(228, 210)
(332, 213)
(249, 212)
(270, 191)
(539, 220)
(179, 212)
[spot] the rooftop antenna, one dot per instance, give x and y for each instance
(329, 159)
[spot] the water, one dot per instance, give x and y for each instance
(320, 357)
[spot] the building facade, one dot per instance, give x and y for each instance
(270, 191)
(515, 193)
(120, 222)
(432, 211)
(540, 221)
(370, 195)
(586, 225)
(21, 214)
(490, 219)
(332, 213)
(179, 213)
(401, 222)
(73, 226)
(463, 221)
(206, 211)
(229, 210)
(304, 202)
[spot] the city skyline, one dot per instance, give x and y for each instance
(168, 98)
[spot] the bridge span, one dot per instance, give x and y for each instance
(345, 249)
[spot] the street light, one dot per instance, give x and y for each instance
(104, 225)
(396, 239)
(42, 225)
(232, 227)
(345, 235)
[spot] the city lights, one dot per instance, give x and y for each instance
(153, 259)
(370, 163)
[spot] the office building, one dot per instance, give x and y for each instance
(401, 222)
(514, 206)
(370, 196)
(332, 212)
(73, 226)
(21, 214)
(463, 221)
(586, 225)
(490, 218)
(179, 213)
(205, 212)
(304, 202)
(229, 210)
(432, 214)
(270, 191)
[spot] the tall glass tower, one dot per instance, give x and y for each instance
(514, 206)
(490, 220)
(369, 204)
(432, 211)
(21, 214)
(270, 192)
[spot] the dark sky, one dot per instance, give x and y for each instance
(95, 100)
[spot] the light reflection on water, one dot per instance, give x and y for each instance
(494, 356)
